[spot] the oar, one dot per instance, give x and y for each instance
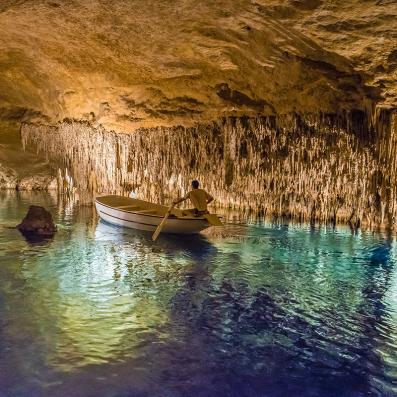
(162, 223)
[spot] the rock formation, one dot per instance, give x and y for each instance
(144, 63)
(328, 168)
(8, 178)
(282, 106)
(37, 224)
(18, 169)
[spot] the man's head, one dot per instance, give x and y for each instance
(195, 184)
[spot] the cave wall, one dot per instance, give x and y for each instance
(330, 167)
(18, 169)
(148, 67)
(128, 64)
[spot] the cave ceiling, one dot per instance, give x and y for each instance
(128, 64)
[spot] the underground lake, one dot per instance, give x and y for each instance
(261, 308)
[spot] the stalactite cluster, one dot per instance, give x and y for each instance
(330, 168)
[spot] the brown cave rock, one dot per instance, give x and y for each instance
(38, 223)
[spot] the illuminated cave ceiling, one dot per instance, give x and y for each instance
(141, 63)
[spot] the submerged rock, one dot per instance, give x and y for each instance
(38, 223)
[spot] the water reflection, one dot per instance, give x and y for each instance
(36, 240)
(251, 310)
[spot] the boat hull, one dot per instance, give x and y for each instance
(135, 220)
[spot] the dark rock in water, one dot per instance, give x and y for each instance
(37, 223)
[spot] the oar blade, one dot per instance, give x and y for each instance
(161, 224)
(159, 228)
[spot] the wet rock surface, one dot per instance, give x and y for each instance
(37, 224)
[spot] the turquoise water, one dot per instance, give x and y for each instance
(258, 309)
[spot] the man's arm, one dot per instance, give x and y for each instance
(180, 200)
(209, 198)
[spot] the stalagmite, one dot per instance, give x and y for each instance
(336, 168)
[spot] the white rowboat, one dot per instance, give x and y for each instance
(143, 215)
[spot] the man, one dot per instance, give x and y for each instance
(199, 198)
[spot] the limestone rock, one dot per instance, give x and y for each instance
(8, 178)
(37, 182)
(363, 31)
(146, 63)
(19, 169)
(38, 222)
(327, 168)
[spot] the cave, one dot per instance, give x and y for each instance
(285, 112)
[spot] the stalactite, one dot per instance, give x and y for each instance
(331, 168)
